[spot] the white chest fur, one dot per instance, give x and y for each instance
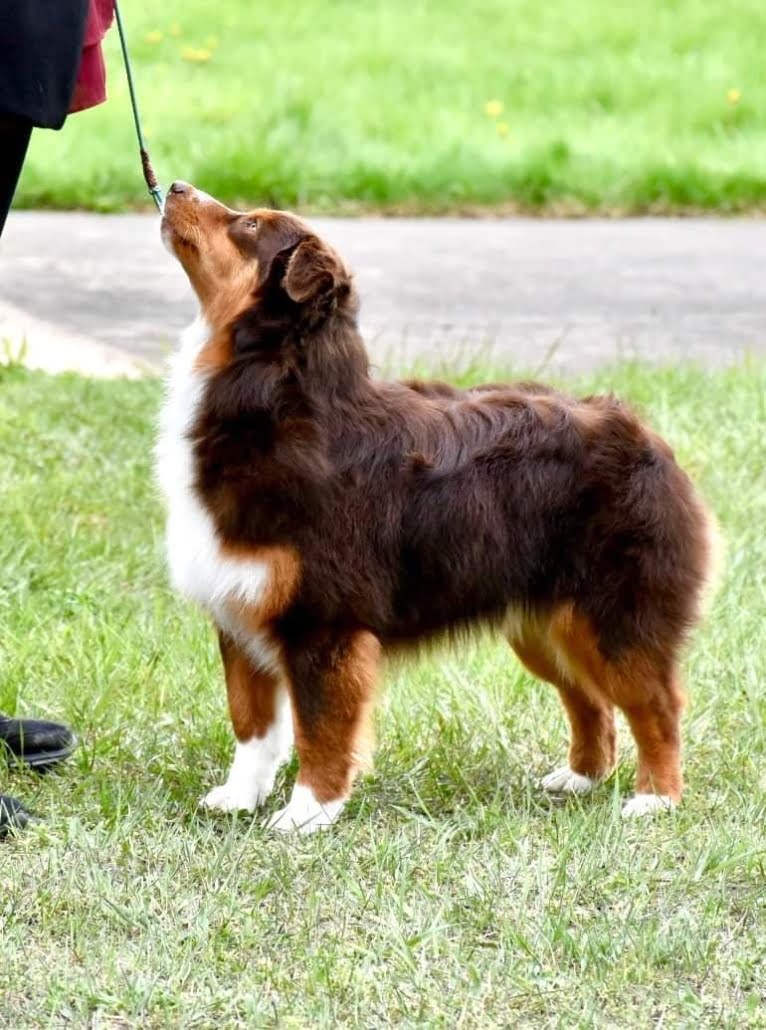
(199, 569)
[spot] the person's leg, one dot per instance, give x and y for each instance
(39, 744)
(14, 140)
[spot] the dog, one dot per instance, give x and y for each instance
(322, 517)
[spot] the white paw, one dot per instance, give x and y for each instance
(647, 804)
(304, 813)
(567, 781)
(231, 798)
(253, 771)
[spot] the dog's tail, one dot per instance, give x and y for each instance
(715, 553)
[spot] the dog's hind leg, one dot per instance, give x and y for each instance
(332, 685)
(259, 706)
(593, 741)
(653, 700)
(645, 685)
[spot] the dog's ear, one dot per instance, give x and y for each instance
(315, 275)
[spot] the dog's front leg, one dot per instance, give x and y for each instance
(332, 685)
(259, 705)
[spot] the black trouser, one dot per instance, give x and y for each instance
(14, 140)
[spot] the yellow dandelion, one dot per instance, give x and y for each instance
(154, 37)
(502, 128)
(733, 95)
(493, 108)
(211, 42)
(175, 29)
(197, 55)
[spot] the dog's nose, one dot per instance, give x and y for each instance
(179, 186)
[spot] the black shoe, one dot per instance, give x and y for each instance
(36, 743)
(13, 815)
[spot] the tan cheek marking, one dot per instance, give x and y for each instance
(219, 315)
(226, 295)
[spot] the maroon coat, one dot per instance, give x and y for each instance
(90, 88)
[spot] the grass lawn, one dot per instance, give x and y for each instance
(344, 106)
(452, 893)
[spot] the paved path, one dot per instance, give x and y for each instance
(536, 295)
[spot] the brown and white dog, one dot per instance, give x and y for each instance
(321, 516)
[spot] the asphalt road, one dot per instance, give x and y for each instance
(529, 294)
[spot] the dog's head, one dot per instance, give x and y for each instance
(260, 264)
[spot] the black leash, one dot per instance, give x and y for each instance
(149, 177)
